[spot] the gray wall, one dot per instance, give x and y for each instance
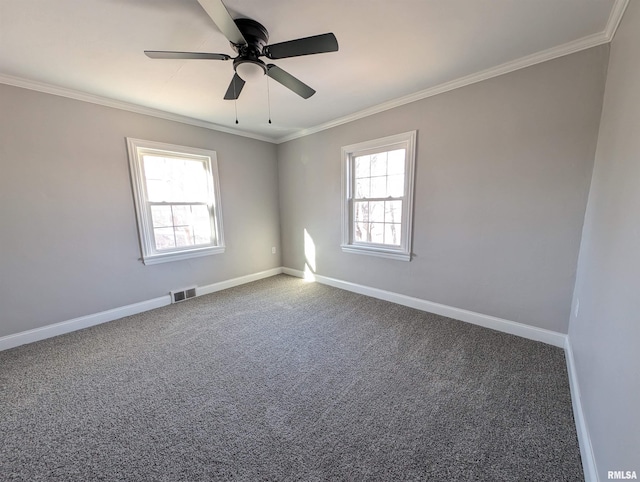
(502, 178)
(605, 335)
(68, 239)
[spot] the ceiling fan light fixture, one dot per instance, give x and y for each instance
(249, 70)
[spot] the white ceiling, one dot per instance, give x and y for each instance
(388, 50)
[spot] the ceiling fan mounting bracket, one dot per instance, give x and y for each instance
(254, 33)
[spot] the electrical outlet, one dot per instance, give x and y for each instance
(273, 250)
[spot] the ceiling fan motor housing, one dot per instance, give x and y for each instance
(248, 65)
(254, 33)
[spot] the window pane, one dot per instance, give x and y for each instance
(379, 164)
(201, 224)
(192, 181)
(155, 172)
(202, 234)
(155, 167)
(362, 166)
(379, 186)
(362, 188)
(361, 232)
(164, 238)
(157, 190)
(161, 216)
(361, 211)
(395, 186)
(376, 211)
(186, 181)
(187, 225)
(175, 180)
(184, 236)
(392, 234)
(200, 212)
(395, 162)
(393, 211)
(377, 232)
(181, 215)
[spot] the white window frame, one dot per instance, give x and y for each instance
(139, 147)
(407, 141)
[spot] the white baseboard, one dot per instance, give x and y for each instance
(37, 334)
(526, 331)
(519, 329)
(223, 285)
(584, 440)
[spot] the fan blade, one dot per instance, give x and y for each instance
(235, 87)
(220, 16)
(317, 44)
(289, 81)
(163, 54)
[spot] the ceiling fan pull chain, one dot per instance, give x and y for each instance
(268, 98)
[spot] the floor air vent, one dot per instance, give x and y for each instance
(181, 295)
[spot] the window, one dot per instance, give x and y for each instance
(378, 196)
(177, 198)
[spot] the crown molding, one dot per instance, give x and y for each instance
(122, 105)
(606, 36)
(617, 11)
(521, 63)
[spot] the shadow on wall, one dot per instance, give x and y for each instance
(309, 257)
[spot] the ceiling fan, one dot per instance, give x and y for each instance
(249, 39)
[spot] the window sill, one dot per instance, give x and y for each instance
(180, 255)
(375, 251)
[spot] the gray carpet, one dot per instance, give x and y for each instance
(286, 380)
